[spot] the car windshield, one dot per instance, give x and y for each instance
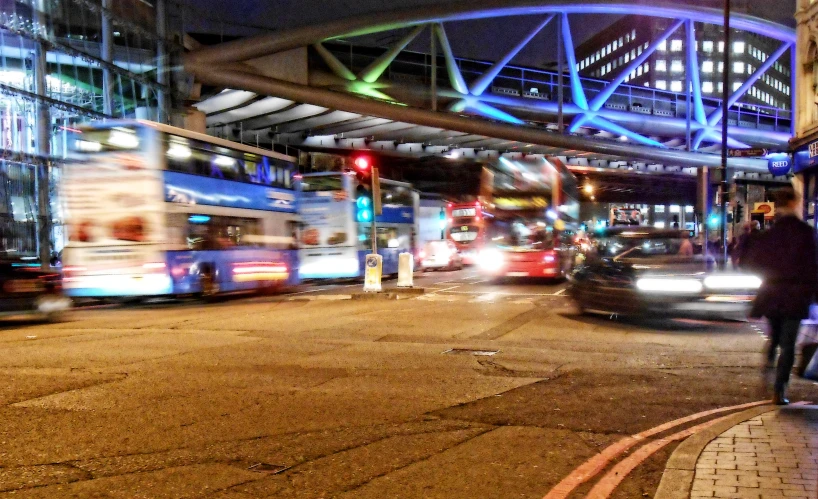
(650, 248)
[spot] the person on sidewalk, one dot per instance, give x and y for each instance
(785, 258)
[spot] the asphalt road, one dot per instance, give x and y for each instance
(474, 389)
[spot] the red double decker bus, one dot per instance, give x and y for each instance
(530, 216)
(465, 227)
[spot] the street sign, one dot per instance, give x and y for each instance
(747, 153)
(779, 164)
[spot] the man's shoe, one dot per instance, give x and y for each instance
(780, 399)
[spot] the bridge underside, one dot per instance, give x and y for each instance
(296, 88)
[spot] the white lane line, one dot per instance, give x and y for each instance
(559, 292)
(309, 291)
(500, 293)
(444, 289)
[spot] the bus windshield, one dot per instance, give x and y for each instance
(322, 183)
(533, 236)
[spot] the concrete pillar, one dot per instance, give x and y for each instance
(107, 56)
(43, 146)
(162, 63)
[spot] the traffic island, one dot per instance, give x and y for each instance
(389, 294)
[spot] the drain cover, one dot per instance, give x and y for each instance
(470, 351)
(268, 468)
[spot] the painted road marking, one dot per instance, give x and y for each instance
(499, 293)
(560, 291)
(596, 464)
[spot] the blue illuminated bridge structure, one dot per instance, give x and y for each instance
(331, 87)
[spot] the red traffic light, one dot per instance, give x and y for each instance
(362, 163)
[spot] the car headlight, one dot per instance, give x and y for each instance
(669, 285)
(732, 282)
(490, 259)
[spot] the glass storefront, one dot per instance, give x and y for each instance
(64, 62)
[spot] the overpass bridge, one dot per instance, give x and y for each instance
(326, 87)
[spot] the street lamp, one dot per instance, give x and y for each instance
(589, 189)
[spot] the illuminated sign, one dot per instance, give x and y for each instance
(521, 203)
(465, 212)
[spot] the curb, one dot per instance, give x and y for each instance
(680, 470)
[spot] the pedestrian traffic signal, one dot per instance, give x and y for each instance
(363, 205)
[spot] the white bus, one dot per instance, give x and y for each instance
(155, 210)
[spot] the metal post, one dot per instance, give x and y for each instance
(43, 146)
(373, 234)
(560, 69)
(724, 119)
(162, 66)
(689, 81)
(433, 58)
(107, 56)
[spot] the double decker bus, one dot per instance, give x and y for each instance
(531, 215)
(337, 215)
(154, 210)
(466, 227)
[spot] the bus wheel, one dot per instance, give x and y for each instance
(208, 285)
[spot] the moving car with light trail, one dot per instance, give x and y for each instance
(437, 255)
(26, 289)
(644, 271)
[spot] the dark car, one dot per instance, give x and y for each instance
(646, 271)
(26, 289)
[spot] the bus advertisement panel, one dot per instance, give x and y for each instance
(155, 210)
(529, 217)
(336, 232)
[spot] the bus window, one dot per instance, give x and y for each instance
(225, 165)
(205, 232)
(183, 157)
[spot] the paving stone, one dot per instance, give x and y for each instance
(770, 456)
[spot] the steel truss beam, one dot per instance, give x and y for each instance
(473, 98)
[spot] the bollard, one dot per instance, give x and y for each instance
(406, 267)
(373, 267)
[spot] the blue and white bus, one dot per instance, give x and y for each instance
(336, 225)
(155, 210)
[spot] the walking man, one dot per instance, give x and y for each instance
(785, 257)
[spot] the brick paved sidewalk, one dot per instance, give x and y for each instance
(772, 455)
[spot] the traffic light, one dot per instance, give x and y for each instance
(739, 212)
(363, 205)
(363, 168)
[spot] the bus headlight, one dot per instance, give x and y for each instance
(669, 285)
(490, 259)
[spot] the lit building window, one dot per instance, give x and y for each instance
(675, 45)
(661, 65)
(676, 66)
(663, 46)
(738, 67)
(738, 47)
(721, 87)
(707, 87)
(627, 57)
(707, 46)
(645, 46)
(639, 71)
(646, 67)
(661, 84)
(707, 67)
(721, 46)
(633, 53)
(633, 35)
(721, 66)
(608, 67)
(639, 52)
(676, 86)
(737, 84)
(621, 41)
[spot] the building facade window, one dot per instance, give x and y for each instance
(707, 46)
(675, 45)
(661, 65)
(707, 67)
(677, 66)
(707, 87)
(738, 47)
(661, 84)
(676, 86)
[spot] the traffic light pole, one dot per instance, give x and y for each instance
(373, 234)
(725, 190)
